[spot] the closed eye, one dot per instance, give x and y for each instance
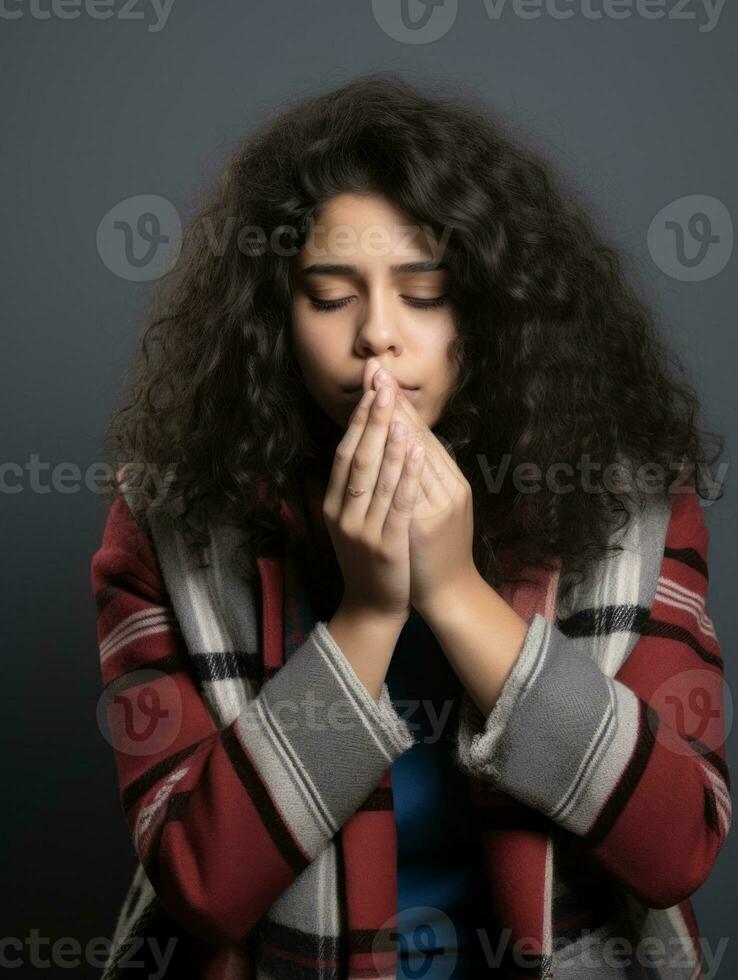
(326, 305)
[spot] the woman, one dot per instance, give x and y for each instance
(408, 716)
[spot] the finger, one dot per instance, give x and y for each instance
(445, 468)
(432, 485)
(400, 513)
(335, 493)
(388, 477)
(441, 479)
(368, 456)
(371, 368)
(402, 404)
(443, 474)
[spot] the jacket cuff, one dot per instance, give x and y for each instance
(319, 740)
(386, 721)
(559, 734)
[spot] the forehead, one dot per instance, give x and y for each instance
(362, 210)
(367, 231)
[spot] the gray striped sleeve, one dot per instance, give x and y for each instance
(560, 734)
(319, 740)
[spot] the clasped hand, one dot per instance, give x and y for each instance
(439, 524)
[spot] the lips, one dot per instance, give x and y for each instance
(354, 394)
(353, 391)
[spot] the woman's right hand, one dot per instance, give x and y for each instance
(370, 532)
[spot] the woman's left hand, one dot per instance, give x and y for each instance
(442, 526)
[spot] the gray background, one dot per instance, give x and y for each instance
(636, 113)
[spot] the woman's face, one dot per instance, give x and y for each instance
(358, 293)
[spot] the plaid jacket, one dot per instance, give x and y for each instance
(266, 839)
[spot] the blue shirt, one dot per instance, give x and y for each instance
(443, 893)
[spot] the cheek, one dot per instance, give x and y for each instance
(315, 350)
(306, 341)
(446, 365)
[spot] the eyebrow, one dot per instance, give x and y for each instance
(338, 269)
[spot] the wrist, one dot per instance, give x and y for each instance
(448, 599)
(367, 639)
(356, 612)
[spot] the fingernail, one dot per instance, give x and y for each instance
(383, 377)
(383, 397)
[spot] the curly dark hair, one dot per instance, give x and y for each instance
(560, 360)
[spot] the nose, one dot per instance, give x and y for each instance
(378, 330)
